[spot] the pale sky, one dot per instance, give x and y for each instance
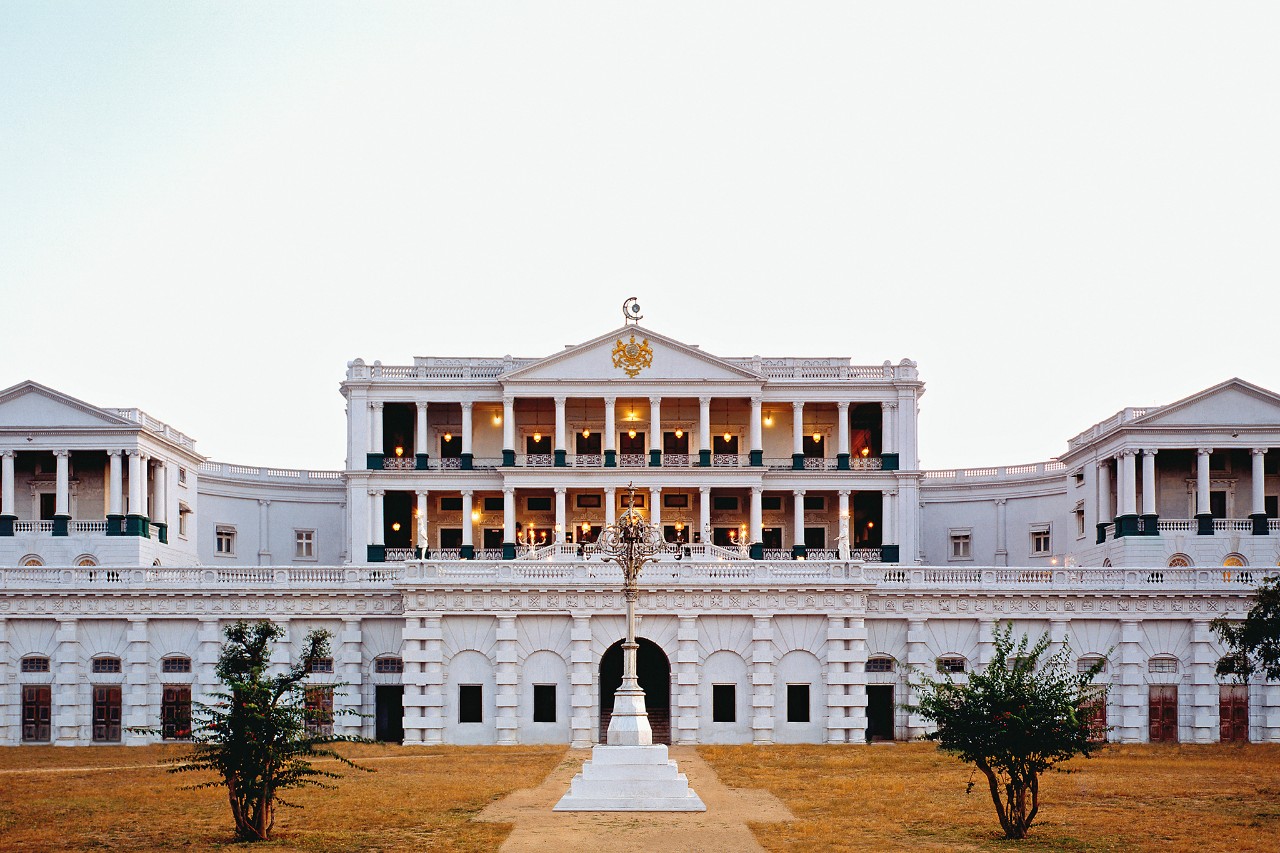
(1058, 210)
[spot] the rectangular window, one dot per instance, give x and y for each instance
(451, 504)
(106, 666)
(36, 712)
(880, 665)
(493, 504)
(175, 664)
(1078, 476)
(319, 664)
(388, 665)
(535, 504)
(1080, 522)
(724, 503)
(1040, 540)
(815, 502)
(797, 703)
(175, 712)
(951, 665)
(771, 503)
(226, 540)
(1162, 665)
(319, 708)
(724, 703)
(544, 703)
(183, 518)
(182, 476)
(960, 545)
(470, 707)
(304, 544)
(35, 664)
(106, 713)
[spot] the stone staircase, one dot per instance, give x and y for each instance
(659, 721)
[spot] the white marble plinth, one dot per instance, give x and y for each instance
(630, 779)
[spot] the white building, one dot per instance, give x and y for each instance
(814, 562)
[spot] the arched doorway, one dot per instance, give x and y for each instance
(654, 671)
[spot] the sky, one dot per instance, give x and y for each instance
(1057, 210)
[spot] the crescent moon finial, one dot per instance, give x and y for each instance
(631, 311)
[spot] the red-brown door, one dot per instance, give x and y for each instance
(175, 712)
(1233, 713)
(106, 713)
(1095, 712)
(36, 712)
(1164, 713)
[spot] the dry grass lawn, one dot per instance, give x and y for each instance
(115, 798)
(912, 797)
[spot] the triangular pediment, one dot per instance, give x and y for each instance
(632, 354)
(1231, 403)
(30, 404)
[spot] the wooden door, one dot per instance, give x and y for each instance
(175, 712)
(106, 713)
(1233, 713)
(1163, 708)
(36, 712)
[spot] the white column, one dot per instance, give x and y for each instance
(375, 507)
(655, 506)
(797, 428)
(757, 434)
(508, 423)
(420, 535)
(1128, 494)
(466, 428)
(468, 526)
(704, 424)
(1202, 480)
(509, 515)
(842, 430)
(889, 426)
(560, 514)
(1258, 481)
(561, 444)
(137, 488)
(1149, 482)
(610, 506)
(6, 480)
(888, 510)
(704, 514)
(1106, 515)
(115, 499)
(757, 514)
(264, 531)
(506, 680)
(1002, 532)
(375, 428)
(655, 423)
(62, 498)
(762, 675)
(610, 425)
(420, 431)
(798, 517)
(846, 525)
(160, 500)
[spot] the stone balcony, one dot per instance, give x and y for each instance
(610, 459)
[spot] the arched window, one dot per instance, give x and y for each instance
(880, 663)
(951, 664)
(107, 665)
(1086, 663)
(35, 663)
(388, 665)
(1234, 561)
(31, 560)
(1106, 564)
(173, 664)
(86, 560)
(1162, 664)
(1179, 561)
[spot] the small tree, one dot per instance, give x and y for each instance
(1254, 641)
(259, 735)
(1014, 720)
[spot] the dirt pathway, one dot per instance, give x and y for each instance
(722, 827)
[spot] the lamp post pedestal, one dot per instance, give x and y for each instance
(630, 773)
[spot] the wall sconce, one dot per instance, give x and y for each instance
(497, 419)
(399, 450)
(817, 437)
(679, 433)
(631, 433)
(727, 437)
(768, 420)
(395, 525)
(475, 515)
(537, 436)
(586, 433)
(866, 451)
(448, 436)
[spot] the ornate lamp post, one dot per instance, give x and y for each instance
(630, 543)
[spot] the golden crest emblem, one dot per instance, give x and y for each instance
(632, 357)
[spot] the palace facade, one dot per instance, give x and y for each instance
(815, 568)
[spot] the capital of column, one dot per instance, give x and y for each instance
(889, 404)
(1001, 501)
(422, 404)
(265, 502)
(508, 490)
(1257, 451)
(1149, 451)
(422, 493)
(8, 454)
(890, 493)
(610, 401)
(609, 490)
(705, 490)
(560, 490)
(375, 404)
(759, 490)
(466, 405)
(842, 405)
(655, 401)
(62, 453)
(376, 493)
(705, 401)
(559, 401)
(1204, 451)
(797, 407)
(844, 493)
(1120, 454)
(798, 492)
(109, 453)
(466, 493)
(508, 401)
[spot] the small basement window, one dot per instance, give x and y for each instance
(470, 708)
(724, 703)
(544, 703)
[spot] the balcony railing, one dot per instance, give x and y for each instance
(200, 577)
(33, 527)
(75, 527)
(823, 463)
